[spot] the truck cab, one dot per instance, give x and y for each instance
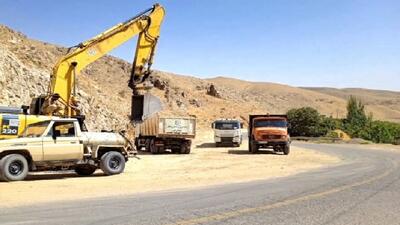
(269, 131)
(227, 132)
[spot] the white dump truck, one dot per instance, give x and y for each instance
(227, 132)
(160, 133)
(60, 144)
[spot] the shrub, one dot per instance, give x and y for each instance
(308, 122)
(332, 134)
(383, 132)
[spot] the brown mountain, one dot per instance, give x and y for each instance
(25, 66)
(383, 104)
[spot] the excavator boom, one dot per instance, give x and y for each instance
(146, 25)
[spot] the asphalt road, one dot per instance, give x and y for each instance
(365, 189)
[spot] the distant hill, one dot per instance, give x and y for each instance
(25, 66)
(384, 105)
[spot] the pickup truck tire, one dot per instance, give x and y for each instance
(286, 150)
(13, 167)
(112, 163)
(85, 170)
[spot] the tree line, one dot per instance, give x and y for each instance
(308, 122)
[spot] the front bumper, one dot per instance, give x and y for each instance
(227, 139)
(271, 143)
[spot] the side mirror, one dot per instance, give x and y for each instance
(54, 136)
(241, 125)
(212, 125)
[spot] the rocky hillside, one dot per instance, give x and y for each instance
(25, 67)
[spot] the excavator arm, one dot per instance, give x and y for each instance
(146, 25)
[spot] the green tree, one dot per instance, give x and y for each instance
(304, 122)
(356, 119)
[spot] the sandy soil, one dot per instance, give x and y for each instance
(206, 165)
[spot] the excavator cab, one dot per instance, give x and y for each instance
(36, 105)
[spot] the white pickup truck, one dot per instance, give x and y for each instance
(60, 144)
(227, 132)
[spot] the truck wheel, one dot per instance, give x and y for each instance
(189, 147)
(85, 170)
(147, 145)
(286, 150)
(13, 167)
(160, 149)
(185, 147)
(138, 147)
(253, 148)
(175, 149)
(112, 163)
(152, 146)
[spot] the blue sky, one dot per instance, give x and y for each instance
(337, 43)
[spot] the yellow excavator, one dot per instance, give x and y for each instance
(61, 98)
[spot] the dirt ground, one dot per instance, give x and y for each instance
(384, 147)
(206, 165)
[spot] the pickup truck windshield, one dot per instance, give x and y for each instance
(270, 123)
(36, 129)
(226, 125)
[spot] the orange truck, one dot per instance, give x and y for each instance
(269, 131)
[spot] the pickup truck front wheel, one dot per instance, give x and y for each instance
(112, 163)
(13, 167)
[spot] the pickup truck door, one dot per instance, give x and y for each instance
(61, 143)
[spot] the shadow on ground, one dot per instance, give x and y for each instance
(206, 145)
(58, 175)
(213, 145)
(166, 152)
(246, 152)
